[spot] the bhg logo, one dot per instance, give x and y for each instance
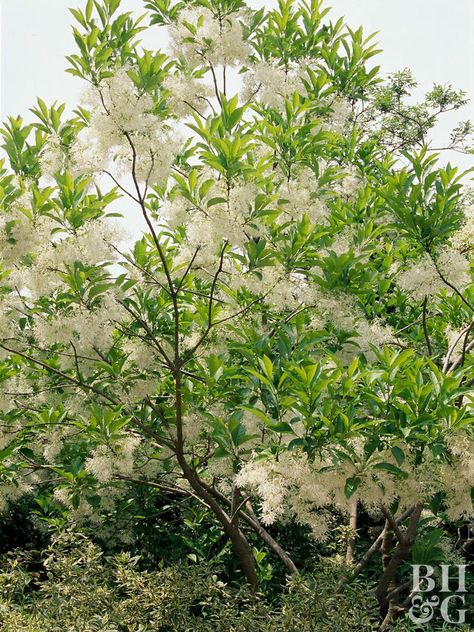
(446, 595)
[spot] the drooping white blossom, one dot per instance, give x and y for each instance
(271, 84)
(463, 239)
(425, 276)
(200, 37)
(125, 133)
(187, 94)
(105, 462)
(52, 158)
(301, 196)
(295, 484)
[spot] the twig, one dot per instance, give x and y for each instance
(425, 327)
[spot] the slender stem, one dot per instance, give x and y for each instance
(455, 343)
(146, 327)
(449, 284)
(425, 326)
(188, 268)
(399, 556)
(457, 363)
(122, 188)
(393, 524)
(369, 554)
(251, 519)
(465, 345)
(65, 376)
(194, 109)
(141, 202)
(353, 528)
(216, 87)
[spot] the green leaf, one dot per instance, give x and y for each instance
(258, 413)
(267, 366)
(260, 377)
(389, 467)
(89, 9)
(398, 454)
(351, 486)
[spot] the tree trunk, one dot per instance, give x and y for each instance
(248, 516)
(240, 545)
(253, 522)
(387, 545)
(399, 555)
(244, 554)
(352, 537)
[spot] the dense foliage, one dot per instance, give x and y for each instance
(285, 349)
(83, 591)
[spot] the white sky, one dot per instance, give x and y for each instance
(431, 37)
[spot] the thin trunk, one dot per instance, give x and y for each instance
(387, 545)
(253, 522)
(400, 554)
(352, 536)
(235, 503)
(243, 552)
(249, 517)
(369, 554)
(387, 609)
(240, 545)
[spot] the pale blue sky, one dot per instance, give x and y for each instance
(431, 37)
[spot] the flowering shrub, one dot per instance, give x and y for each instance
(291, 333)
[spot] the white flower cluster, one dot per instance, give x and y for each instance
(124, 131)
(288, 290)
(349, 184)
(187, 93)
(457, 476)
(228, 220)
(300, 196)
(340, 112)
(53, 443)
(124, 108)
(463, 239)
(455, 339)
(370, 335)
(139, 390)
(138, 353)
(342, 311)
(423, 279)
(293, 484)
(53, 158)
(11, 306)
(13, 390)
(87, 155)
(278, 288)
(106, 462)
(201, 38)
(272, 85)
(21, 232)
(91, 245)
(10, 492)
(88, 329)
(174, 212)
(193, 422)
(341, 244)
(268, 484)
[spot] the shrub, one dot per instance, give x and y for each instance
(80, 590)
